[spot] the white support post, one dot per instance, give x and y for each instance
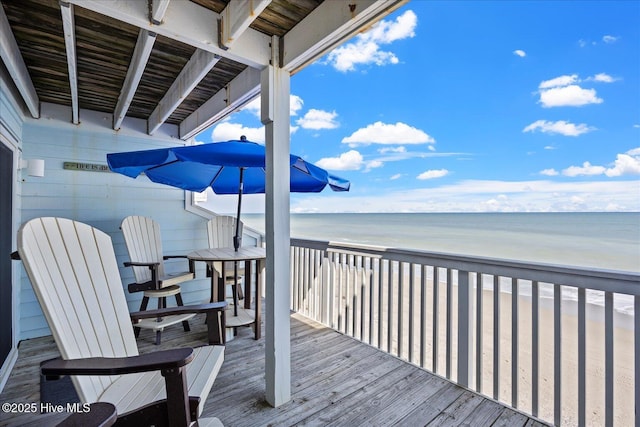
(275, 84)
(465, 329)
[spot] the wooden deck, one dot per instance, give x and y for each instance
(336, 381)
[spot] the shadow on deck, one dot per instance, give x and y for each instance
(336, 380)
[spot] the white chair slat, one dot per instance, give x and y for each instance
(220, 231)
(165, 322)
(134, 390)
(149, 387)
(202, 372)
(144, 244)
(174, 279)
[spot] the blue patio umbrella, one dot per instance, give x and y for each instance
(231, 167)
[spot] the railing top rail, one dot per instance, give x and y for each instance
(626, 282)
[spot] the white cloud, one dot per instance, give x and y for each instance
(549, 172)
(602, 78)
(625, 164)
(474, 196)
(559, 82)
(383, 133)
(318, 119)
(385, 150)
(565, 91)
(366, 47)
(432, 174)
(586, 169)
(372, 165)
(396, 176)
(253, 107)
(606, 39)
(295, 105)
(520, 53)
(568, 96)
(351, 160)
(386, 32)
(560, 127)
(227, 131)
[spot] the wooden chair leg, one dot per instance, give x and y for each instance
(239, 291)
(143, 307)
(162, 303)
(178, 408)
(185, 323)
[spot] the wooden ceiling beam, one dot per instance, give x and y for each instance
(12, 59)
(188, 23)
(236, 18)
(195, 70)
(141, 53)
(330, 24)
(69, 28)
(238, 92)
(238, 15)
(158, 9)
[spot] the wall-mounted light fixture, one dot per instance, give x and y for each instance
(34, 167)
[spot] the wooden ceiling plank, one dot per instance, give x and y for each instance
(236, 18)
(240, 91)
(69, 28)
(158, 9)
(187, 23)
(196, 69)
(12, 59)
(141, 53)
(328, 25)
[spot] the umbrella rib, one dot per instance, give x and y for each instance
(215, 177)
(161, 165)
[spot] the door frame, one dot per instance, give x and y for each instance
(9, 362)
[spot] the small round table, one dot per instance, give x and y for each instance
(245, 315)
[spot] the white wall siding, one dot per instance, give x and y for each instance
(102, 199)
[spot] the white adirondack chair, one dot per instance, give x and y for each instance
(144, 244)
(220, 230)
(74, 273)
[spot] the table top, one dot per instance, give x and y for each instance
(228, 254)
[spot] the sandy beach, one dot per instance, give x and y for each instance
(595, 353)
(595, 356)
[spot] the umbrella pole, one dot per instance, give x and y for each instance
(236, 244)
(237, 238)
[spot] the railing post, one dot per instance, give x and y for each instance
(465, 329)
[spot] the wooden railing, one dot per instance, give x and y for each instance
(551, 341)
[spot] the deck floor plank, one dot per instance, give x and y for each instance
(335, 380)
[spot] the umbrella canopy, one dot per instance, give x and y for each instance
(218, 165)
(231, 167)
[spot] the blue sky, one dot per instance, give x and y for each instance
(464, 106)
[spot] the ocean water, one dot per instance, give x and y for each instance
(594, 240)
(608, 241)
